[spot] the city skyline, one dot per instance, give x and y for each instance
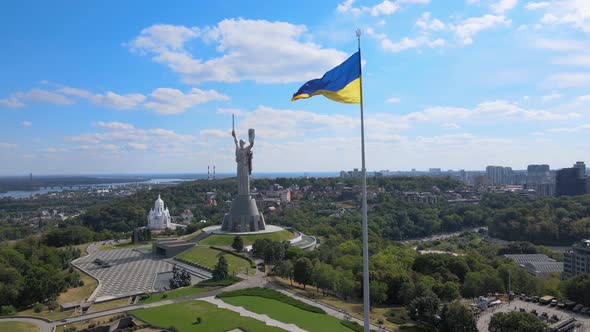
(459, 85)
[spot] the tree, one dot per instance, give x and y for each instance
(220, 272)
(378, 292)
(302, 271)
(345, 284)
(578, 288)
(259, 247)
(284, 269)
(448, 291)
(458, 318)
(515, 321)
(238, 243)
(424, 308)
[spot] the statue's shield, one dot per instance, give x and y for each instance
(251, 135)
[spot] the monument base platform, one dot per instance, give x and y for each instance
(243, 216)
(217, 230)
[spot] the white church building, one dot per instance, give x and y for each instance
(159, 216)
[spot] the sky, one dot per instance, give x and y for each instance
(150, 87)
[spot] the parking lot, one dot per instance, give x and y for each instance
(485, 316)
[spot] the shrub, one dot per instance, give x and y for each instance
(38, 308)
(218, 283)
(7, 310)
(352, 325)
(198, 320)
(273, 295)
(164, 295)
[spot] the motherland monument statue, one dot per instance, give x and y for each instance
(243, 215)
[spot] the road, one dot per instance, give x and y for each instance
(442, 236)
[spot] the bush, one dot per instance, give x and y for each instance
(352, 325)
(198, 320)
(6, 310)
(273, 295)
(218, 283)
(38, 308)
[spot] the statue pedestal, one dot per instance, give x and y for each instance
(243, 216)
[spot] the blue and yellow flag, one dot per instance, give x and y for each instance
(341, 84)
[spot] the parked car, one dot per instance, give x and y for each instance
(561, 305)
(553, 303)
(577, 308)
(584, 310)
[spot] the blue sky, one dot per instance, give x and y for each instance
(132, 87)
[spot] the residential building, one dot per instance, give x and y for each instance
(577, 260)
(571, 181)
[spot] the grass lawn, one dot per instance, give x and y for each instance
(79, 293)
(353, 308)
(183, 315)
(227, 240)
(288, 314)
(208, 257)
(176, 293)
(18, 327)
(109, 304)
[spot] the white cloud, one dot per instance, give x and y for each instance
(11, 102)
(407, 43)
(115, 125)
(344, 6)
(559, 44)
(568, 80)
(4, 145)
(163, 37)
(74, 92)
(384, 8)
(583, 98)
(137, 146)
(570, 130)
(26, 123)
(44, 96)
(451, 125)
(173, 101)
(393, 100)
(249, 51)
(468, 28)
(502, 6)
(575, 13)
(537, 5)
(214, 133)
(116, 101)
(581, 60)
(552, 96)
(426, 23)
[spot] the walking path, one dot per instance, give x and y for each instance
(243, 312)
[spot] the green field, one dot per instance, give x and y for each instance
(208, 257)
(18, 327)
(183, 315)
(227, 240)
(176, 293)
(288, 314)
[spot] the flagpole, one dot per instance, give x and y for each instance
(366, 300)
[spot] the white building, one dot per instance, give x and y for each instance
(159, 217)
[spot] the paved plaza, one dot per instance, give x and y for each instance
(484, 318)
(131, 272)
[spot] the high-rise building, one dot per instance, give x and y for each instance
(498, 175)
(571, 181)
(577, 260)
(540, 179)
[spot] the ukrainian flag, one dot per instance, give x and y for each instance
(341, 84)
